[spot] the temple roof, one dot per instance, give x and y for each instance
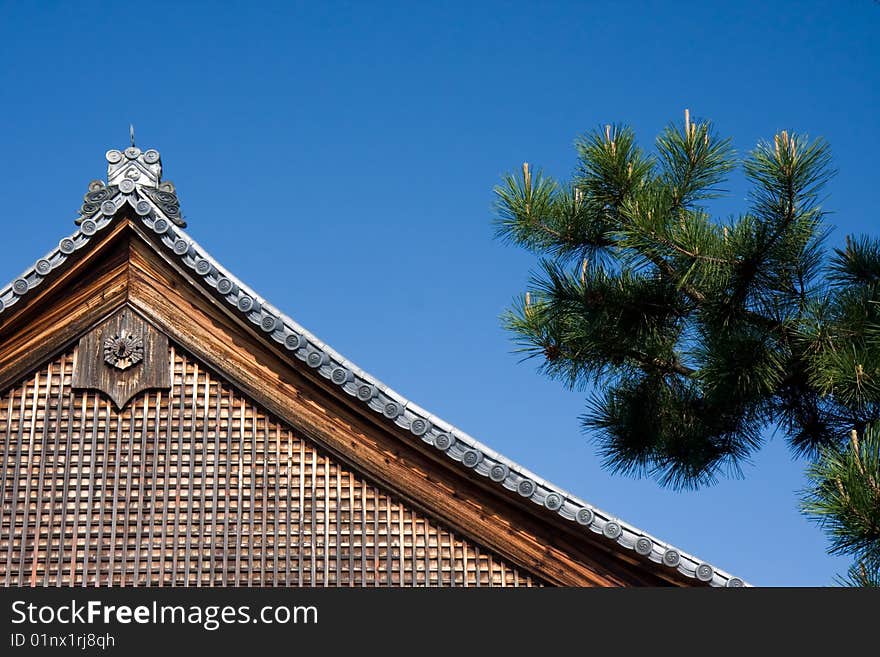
(134, 178)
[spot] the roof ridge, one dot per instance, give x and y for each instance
(448, 439)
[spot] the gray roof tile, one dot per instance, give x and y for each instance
(471, 454)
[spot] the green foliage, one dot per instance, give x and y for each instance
(844, 498)
(695, 335)
(860, 575)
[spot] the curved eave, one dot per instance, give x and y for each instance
(389, 405)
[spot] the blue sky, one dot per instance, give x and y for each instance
(340, 158)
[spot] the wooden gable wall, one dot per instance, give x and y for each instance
(200, 486)
(500, 538)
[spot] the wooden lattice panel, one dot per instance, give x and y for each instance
(199, 486)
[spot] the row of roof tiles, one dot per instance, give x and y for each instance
(454, 443)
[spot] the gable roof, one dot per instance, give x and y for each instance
(134, 180)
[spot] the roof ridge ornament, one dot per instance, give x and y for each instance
(140, 167)
(135, 176)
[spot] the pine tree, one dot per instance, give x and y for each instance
(699, 336)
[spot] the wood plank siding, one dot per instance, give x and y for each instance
(200, 486)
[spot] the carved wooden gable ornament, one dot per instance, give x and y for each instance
(122, 357)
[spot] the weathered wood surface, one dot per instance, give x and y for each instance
(61, 309)
(96, 497)
(120, 381)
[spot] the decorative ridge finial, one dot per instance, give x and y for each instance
(132, 175)
(141, 167)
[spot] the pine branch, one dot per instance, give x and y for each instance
(723, 285)
(844, 497)
(702, 334)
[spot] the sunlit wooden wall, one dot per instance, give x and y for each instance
(198, 486)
